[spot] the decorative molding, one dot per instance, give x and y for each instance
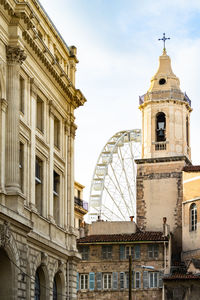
(34, 86)
(44, 258)
(5, 234)
(15, 54)
(4, 104)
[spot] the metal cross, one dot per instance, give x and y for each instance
(164, 39)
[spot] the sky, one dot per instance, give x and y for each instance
(118, 52)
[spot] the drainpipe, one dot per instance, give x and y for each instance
(68, 280)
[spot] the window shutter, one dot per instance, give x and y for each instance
(121, 252)
(137, 251)
(145, 280)
(77, 282)
(133, 279)
(91, 281)
(121, 280)
(99, 280)
(115, 280)
(160, 279)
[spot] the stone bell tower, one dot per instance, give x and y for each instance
(165, 151)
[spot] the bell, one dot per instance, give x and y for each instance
(161, 133)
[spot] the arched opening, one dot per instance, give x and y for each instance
(57, 287)
(160, 127)
(41, 288)
(193, 217)
(6, 276)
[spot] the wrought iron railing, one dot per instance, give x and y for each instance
(81, 203)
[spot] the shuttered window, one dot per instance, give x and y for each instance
(137, 280)
(91, 281)
(145, 280)
(122, 252)
(107, 281)
(153, 251)
(137, 251)
(115, 280)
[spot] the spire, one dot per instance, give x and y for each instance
(164, 79)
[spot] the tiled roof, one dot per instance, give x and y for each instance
(181, 276)
(191, 169)
(138, 236)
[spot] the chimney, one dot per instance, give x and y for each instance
(131, 218)
(166, 230)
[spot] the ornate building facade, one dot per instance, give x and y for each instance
(38, 97)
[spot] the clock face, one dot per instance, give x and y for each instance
(162, 81)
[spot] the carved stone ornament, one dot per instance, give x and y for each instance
(5, 234)
(15, 54)
(44, 258)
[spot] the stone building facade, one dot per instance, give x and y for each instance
(104, 270)
(38, 252)
(80, 206)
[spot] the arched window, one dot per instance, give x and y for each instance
(54, 290)
(160, 127)
(57, 287)
(193, 217)
(41, 285)
(37, 286)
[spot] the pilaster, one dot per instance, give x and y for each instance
(51, 160)
(15, 57)
(4, 105)
(34, 89)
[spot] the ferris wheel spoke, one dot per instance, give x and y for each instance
(116, 204)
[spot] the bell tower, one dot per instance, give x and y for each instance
(165, 151)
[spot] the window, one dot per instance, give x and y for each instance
(137, 280)
(85, 252)
(39, 114)
(153, 279)
(84, 281)
(127, 280)
(56, 190)
(137, 252)
(21, 93)
(37, 286)
(160, 127)
(107, 252)
(21, 165)
(193, 217)
(54, 290)
(121, 278)
(153, 251)
(129, 251)
(107, 281)
(56, 132)
(38, 184)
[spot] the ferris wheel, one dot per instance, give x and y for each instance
(113, 186)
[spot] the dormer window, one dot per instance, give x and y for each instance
(160, 127)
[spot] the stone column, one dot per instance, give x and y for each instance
(70, 158)
(72, 278)
(15, 57)
(4, 105)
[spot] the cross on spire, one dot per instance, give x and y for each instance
(164, 39)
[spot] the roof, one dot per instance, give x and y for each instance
(192, 168)
(133, 237)
(181, 276)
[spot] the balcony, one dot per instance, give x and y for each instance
(81, 203)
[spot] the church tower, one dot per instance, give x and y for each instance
(165, 151)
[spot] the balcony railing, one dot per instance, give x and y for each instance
(81, 203)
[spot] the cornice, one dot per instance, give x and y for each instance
(163, 160)
(23, 11)
(159, 101)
